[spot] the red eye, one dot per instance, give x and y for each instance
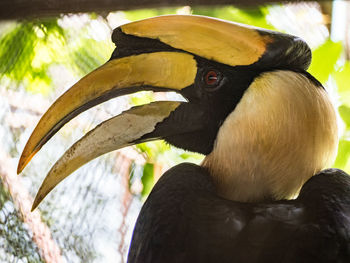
(211, 78)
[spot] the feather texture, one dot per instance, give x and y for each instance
(281, 133)
(183, 220)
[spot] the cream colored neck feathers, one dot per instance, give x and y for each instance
(281, 133)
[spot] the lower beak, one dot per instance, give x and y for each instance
(131, 127)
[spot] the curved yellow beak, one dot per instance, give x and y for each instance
(153, 71)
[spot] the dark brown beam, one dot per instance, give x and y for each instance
(21, 9)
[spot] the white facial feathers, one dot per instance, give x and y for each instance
(281, 133)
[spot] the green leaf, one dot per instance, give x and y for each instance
(146, 13)
(342, 78)
(27, 51)
(253, 16)
(142, 97)
(324, 59)
(344, 112)
(147, 179)
(154, 149)
(343, 157)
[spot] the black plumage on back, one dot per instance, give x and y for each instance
(183, 220)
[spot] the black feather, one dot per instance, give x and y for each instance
(183, 220)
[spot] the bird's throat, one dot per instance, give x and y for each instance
(281, 133)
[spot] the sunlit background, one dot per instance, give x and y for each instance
(89, 217)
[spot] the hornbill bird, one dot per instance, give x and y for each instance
(266, 126)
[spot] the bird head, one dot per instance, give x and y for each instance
(250, 105)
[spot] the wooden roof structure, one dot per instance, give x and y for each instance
(22, 9)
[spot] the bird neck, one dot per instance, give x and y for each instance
(281, 133)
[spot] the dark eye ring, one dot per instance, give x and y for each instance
(212, 78)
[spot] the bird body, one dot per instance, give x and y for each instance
(184, 220)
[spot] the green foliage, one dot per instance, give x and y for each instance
(342, 78)
(343, 157)
(139, 14)
(252, 16)
(159, 151)
(153, 150)
(147, 179)
(28, 50)
(344, 112)
(142, 97)
(324, 59)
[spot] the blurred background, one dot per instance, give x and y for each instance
(90, 216)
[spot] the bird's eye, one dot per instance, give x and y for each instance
(212, 78)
